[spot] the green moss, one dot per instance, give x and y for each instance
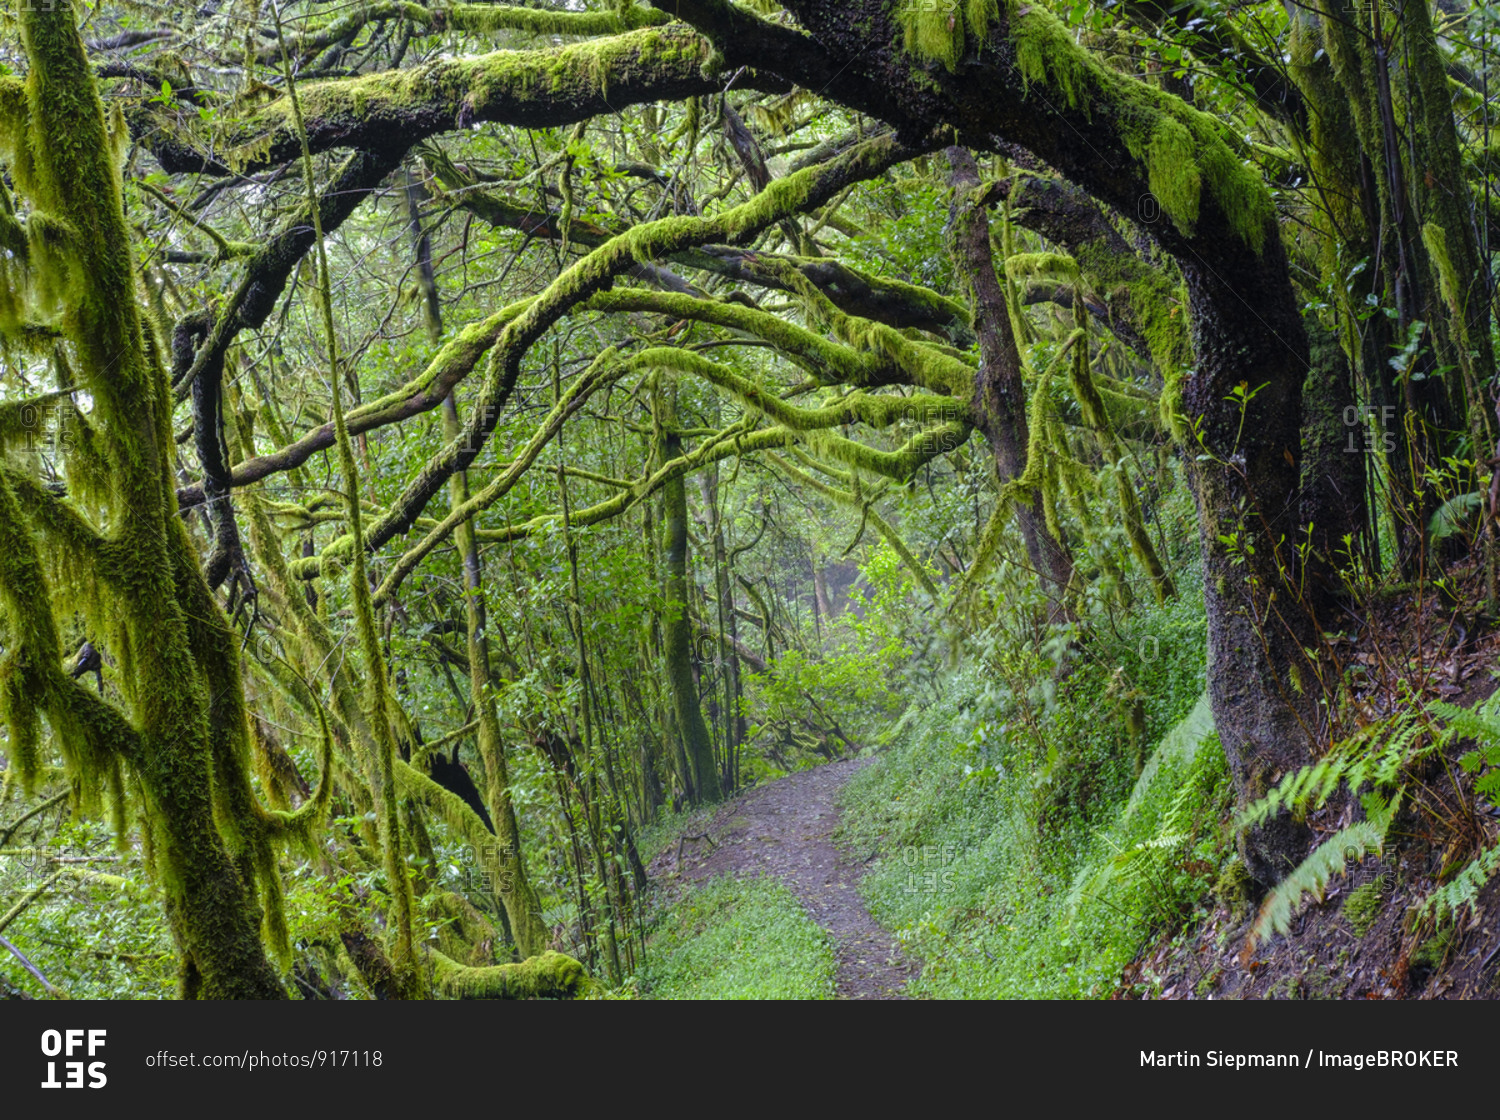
(483, 88)
(1051, 266)
(1232, 889)
(1432, 952)
(1435, 238)
(1182, 149)
(1363, 907)
(551, 975)
(504, 17)
(1173, 173)
(877, 411)
(1047, 55)
(943, 33)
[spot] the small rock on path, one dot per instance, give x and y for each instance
(785, 829)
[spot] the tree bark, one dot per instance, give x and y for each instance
(999, 402)
(700, 778)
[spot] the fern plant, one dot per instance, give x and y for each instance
(1147, 872)
(1480, 724)
(1330, 858)
(1378, 756)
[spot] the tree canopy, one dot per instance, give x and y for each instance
(439, 437)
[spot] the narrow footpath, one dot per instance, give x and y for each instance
(785, 829)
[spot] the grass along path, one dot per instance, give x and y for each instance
(784, 829)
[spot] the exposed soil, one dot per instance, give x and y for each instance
(785, 829)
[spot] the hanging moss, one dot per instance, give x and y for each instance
(1182, 149)
(1436, 240)
(1050, 266)
(1096, 417)
(1026, 486)
(943, 32)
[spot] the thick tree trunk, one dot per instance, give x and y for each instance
(1336, 447)
(999, 391)
(700, 779)
(183, 735)
(1244, 403)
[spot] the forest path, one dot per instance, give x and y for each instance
(785, 829)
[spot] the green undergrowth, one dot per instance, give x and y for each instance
(1022, 854)
(659, 835)
(97, 932)
(738, 939)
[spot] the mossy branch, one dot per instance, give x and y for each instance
(395, 110)
(733, 441)
(301, 824)
(551, 975)
(596, 272)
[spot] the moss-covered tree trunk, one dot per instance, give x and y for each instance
(516, 892)
(999, 390)
(183, 734)
(999, 393)
(700, 776)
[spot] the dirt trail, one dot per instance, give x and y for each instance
(785, 829)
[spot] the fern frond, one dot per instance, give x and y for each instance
(1374, 755)
(1463, 889)
(1179, 746)
(1156, 844)
(1180, 743)
(1454, 516)
(1476, 723)
(1313, 874)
